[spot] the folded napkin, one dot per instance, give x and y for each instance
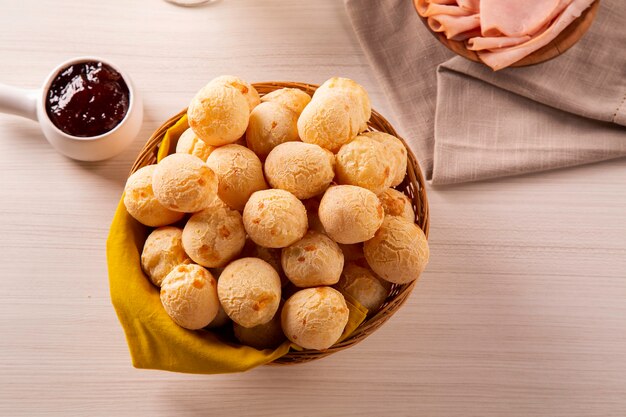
(465, 122)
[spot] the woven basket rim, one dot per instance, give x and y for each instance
(413, 186)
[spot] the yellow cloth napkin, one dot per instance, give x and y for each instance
(154, 340)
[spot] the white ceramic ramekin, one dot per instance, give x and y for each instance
(32, 104)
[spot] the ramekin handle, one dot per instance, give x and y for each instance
(18, 101)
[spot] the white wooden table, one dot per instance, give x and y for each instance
(522, 311)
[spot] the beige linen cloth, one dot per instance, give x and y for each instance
(465, 122)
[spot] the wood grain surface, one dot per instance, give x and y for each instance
(522, 311)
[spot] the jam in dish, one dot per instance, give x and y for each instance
(87, 99)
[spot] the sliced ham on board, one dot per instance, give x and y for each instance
(501, 31)
(502, 58)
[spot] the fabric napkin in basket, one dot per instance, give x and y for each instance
(466, 122)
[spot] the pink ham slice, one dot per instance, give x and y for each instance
(452, 26)
(480, 43)
(469, 5)
(515, 18)
(422, 5)
(467, 35)
(447, 9)
(504, 57)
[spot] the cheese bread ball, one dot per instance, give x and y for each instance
(396, 203)
(303, 169)
(269, 255)
(350, 214)
(352, 89)
(218, 114)
(264, 336)
(220, 320)
(397, 154)
(142, 204)
(292, 98)
(312, 206)
(364, 162)
(189, 143)
(244, 87)
(329, 121)
(363, 286)
(274, 218)
(270, 125)
(314, 318)
(189, 296)
(214, 236)
(352, 252)
(398, 252)
(240, 173)
(312, 261)
(249, 290)
(184, 183)
(162, 252)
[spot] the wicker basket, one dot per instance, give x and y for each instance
(413, 186)
(560, 44)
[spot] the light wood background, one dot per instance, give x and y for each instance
(522, 311)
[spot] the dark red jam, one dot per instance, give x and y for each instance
(87, 99)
